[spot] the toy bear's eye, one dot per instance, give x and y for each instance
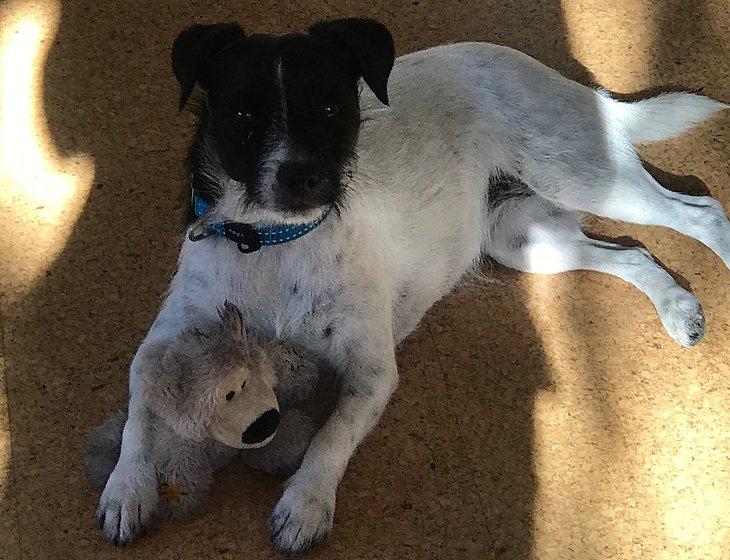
(230, 395)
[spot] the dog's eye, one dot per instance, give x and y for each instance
(243, 385)
(244, 121)
(230, 395)
(243, 117)
(331, 110)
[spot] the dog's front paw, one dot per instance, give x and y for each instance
(302, 518)
(128, 503)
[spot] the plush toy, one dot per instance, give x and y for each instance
(219, 393)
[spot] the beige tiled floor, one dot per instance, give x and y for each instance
(546, 418)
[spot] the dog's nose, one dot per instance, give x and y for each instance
(298, 177)
(262, 428)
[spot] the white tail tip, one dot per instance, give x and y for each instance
(664, 116)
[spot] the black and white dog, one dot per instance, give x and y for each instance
(482, 150)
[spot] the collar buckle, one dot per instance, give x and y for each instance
(246, 238)
(195, 235)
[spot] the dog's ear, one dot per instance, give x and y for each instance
(368, 44)
(193, 50)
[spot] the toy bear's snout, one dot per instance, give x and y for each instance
(246, 411)
(263, 428)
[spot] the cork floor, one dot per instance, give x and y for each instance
(537, 417)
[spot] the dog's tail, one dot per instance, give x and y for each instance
(664, 116)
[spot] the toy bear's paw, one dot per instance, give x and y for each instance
(302, 518)
(284, 454)
(128, 502)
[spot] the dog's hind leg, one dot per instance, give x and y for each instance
(633, 195)
(598, 170)
(529, 233)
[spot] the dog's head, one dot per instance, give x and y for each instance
(281, 114)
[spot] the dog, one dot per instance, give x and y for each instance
(339, 193)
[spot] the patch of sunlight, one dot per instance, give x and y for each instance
(567, 442)
(41, 193)
(574, 427)
(623, 469)
(544, 258)
(668, 483)
(594, 30)
(688, 473)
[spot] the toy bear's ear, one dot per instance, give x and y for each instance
(232, 321)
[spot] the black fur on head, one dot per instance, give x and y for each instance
(280, 114)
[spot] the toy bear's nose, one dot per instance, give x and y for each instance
(262, 428)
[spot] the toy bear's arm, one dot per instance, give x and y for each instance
(297, 374)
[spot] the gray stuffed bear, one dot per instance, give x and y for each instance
(219, 393)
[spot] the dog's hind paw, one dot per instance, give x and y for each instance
(681, 314)
(128, 504)
(302, 518)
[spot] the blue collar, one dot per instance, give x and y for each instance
(249, 238)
